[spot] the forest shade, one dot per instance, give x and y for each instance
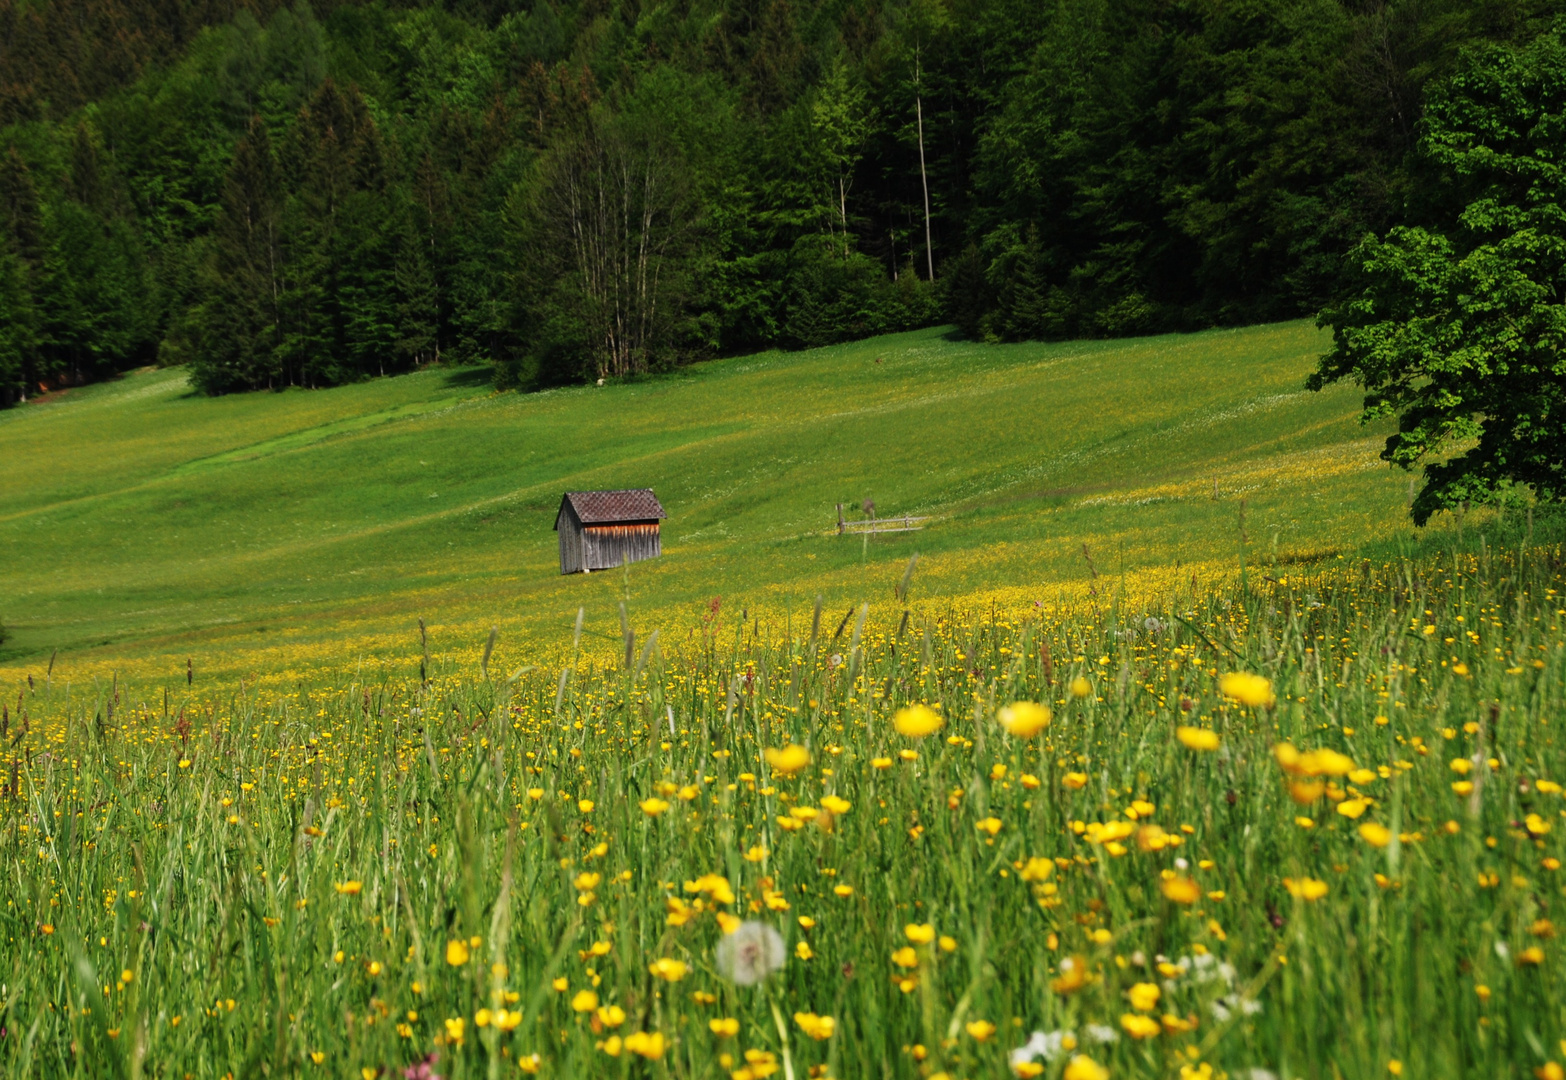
(595, 188)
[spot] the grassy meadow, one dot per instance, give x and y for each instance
(1257, 786)
(273, 533)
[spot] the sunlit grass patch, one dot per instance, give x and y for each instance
(1298, 826)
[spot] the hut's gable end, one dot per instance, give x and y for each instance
(573, 555)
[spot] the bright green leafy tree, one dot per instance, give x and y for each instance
(1458, 329)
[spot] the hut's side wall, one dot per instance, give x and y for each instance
(571, 547)
(605, 546)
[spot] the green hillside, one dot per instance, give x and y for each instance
(141, 523)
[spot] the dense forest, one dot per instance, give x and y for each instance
(295, 195)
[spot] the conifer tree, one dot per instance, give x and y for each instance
(241, 324)
(21, 265)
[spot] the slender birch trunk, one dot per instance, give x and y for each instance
(924, 178)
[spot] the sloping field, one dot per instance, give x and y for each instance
(141, 524)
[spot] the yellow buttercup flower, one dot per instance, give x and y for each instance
(1073, 976)
(1140, 1027)
(1182, 890)
(919, 934)
(1247, 689)
(649, 1045)
(1375, 835)
(348, 888)
(1024, 719)
(788, 760)
(585, 1001)
(819, 1028)
(1193, 738)
(1037, 869)
(1308, 889)
(1144, 996)
(980, 1030)
(835, 805)
(456, 952)
(917, 721)
(724, 1027)
(668, 969)
(714, 885)
(1323, 762)
(1082, 1067)
(653, 807)
(1080, 687)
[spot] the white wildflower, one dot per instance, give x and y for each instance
(750, 954)
(1042, 1044)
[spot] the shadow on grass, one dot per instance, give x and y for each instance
(469, 377)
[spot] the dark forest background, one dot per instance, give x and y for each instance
(296, 195)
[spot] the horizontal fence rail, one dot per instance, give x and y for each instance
(875, 526)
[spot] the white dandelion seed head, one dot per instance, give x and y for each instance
(750, 954)
(1182, 864)
(1101, 1033)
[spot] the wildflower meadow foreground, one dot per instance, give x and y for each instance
(1307, 826)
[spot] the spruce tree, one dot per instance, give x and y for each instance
(241, 325)
(21, 267)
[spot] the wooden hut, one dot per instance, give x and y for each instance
(601, 529)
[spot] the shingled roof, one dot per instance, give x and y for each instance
(601, 507)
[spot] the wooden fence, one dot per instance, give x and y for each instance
(874, 526)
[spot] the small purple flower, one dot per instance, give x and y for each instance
(423, 1070)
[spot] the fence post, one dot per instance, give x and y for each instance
(840, 526)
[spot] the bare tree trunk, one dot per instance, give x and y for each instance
(616, 205)
(924, 180)
(842, 210)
